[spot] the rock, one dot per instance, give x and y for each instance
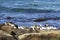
(45, 19)
(37, 36)
(8, 17)
(40, 20)
(4, 33)
(1, 26)
(29, 36)
(6, 38)
(7, 28)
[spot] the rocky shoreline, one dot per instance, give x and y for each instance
(11, 31)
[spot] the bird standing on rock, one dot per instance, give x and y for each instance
(12, 25)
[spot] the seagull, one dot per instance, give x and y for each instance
(20, 27)
(33, 28)
(11, 24)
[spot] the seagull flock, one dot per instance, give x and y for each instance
(40, 27)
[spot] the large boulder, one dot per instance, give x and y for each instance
(7, 28)
(38, 36)
(6, 36)
(4, 33)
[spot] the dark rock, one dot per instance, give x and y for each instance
(8, 17)
(40, 19)
(12, 33)
(45, 19)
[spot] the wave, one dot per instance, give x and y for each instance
(29, 10)
(26, 10)
(30, 6)
(3, 8)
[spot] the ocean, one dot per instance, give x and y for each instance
(24, 12)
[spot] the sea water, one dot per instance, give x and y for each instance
(24, 12)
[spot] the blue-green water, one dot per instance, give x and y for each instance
(23, 12)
